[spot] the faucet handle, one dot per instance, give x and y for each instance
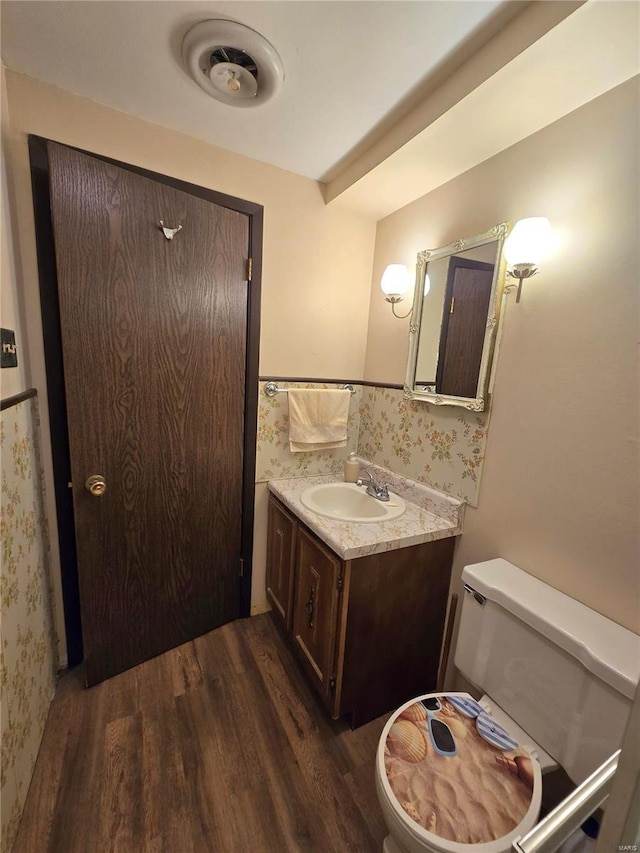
(381, 493)
(361, 482)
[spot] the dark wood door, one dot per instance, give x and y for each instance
(154, 347)
(464, 325)
(315, 613)
(281, 554)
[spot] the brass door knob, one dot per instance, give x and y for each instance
(97, 485)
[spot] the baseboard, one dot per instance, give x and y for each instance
(257, 609)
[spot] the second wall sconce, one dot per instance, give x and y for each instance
(395, 283)
(527, 245)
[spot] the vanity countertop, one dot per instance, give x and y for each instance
(349, 540)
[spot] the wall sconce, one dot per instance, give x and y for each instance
(395, 283)
(526, 246)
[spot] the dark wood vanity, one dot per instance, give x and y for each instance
(368, 630)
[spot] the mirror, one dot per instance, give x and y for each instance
(456, 308)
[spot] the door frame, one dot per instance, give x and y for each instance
(59, 429)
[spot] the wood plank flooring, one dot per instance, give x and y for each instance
(218, 746)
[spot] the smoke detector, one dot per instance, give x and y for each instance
(232, 63)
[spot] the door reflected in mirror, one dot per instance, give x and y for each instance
(456, 310)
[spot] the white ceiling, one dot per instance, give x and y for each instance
(347, 64)
(359, 78)
(593, 50)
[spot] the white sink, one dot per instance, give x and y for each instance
(348, 502)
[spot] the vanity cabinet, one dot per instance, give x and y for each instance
(318, 580)
(367, 631)
(281, 550)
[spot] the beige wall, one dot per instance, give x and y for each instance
(316, 260)
(12, 379)
(559, 495)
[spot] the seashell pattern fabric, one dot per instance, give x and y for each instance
(406, 741)
(477, 795)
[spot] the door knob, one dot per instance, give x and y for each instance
(96, 484)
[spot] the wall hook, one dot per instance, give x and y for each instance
(169, 233)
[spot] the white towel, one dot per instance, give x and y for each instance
(317, 418)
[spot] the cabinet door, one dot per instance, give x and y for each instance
(281, 550)
(315, 615)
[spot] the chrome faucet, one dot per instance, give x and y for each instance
(380, 493)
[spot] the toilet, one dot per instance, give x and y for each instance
(459, 775)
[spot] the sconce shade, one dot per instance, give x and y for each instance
(529, 242)
(395, 280)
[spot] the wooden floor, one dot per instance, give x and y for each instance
(217, 746)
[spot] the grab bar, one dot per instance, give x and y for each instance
(557, 826)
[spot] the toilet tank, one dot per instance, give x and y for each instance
(566, 674)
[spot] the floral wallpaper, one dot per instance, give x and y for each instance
(440, 446)
(275, 460)
(28, 648)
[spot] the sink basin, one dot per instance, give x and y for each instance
(348, 502)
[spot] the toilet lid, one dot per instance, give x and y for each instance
(456, 777)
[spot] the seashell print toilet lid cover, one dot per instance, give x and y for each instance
(456, 772)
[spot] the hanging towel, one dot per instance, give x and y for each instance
(317, 418)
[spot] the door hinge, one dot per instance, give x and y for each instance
(340, 581)
(241, 567)
(332, 682)
(452, 306)
(249, 268)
